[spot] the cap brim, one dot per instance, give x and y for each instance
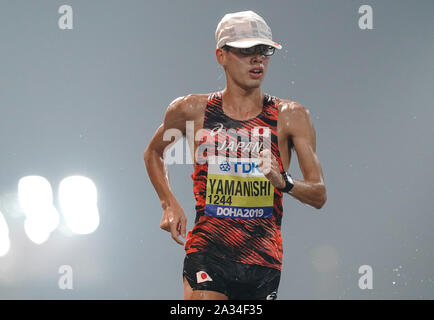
(247, 43)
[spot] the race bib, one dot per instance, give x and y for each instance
(237, 188)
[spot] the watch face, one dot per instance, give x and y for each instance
(289, 178)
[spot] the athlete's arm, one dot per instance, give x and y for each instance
(173, 219)
(299, 128)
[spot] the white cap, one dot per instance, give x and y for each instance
(243, 30)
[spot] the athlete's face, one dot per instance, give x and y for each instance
(246, 71)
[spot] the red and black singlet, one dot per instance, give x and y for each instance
(238, 211)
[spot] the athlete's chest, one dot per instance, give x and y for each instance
(210, 125)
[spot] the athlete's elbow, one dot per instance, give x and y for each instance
(320, 203)
(148, 155)
(321, 197)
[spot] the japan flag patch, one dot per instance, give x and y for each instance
(202, 276)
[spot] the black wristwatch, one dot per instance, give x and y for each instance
(289, 183)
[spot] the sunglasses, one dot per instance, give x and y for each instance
(261, 49)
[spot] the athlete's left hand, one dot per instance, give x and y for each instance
(270, 167)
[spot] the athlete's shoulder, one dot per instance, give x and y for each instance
(291, 109)
(293, 117)
(188, 106)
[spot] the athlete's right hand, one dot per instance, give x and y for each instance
(174, 221)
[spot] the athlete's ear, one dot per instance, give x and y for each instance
(220, 55)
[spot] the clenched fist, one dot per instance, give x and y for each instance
(270, 168)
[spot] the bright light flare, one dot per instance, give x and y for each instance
(5, 242)
(36, 231)
(36, 200)
(78, 203)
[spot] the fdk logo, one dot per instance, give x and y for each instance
(225, 166)
(245, 167)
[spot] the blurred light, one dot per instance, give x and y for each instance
(78, 203)
(10, 205)
(5, 243)
(36, 199)
(36, 231)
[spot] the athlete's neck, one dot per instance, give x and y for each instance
(242, 104)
